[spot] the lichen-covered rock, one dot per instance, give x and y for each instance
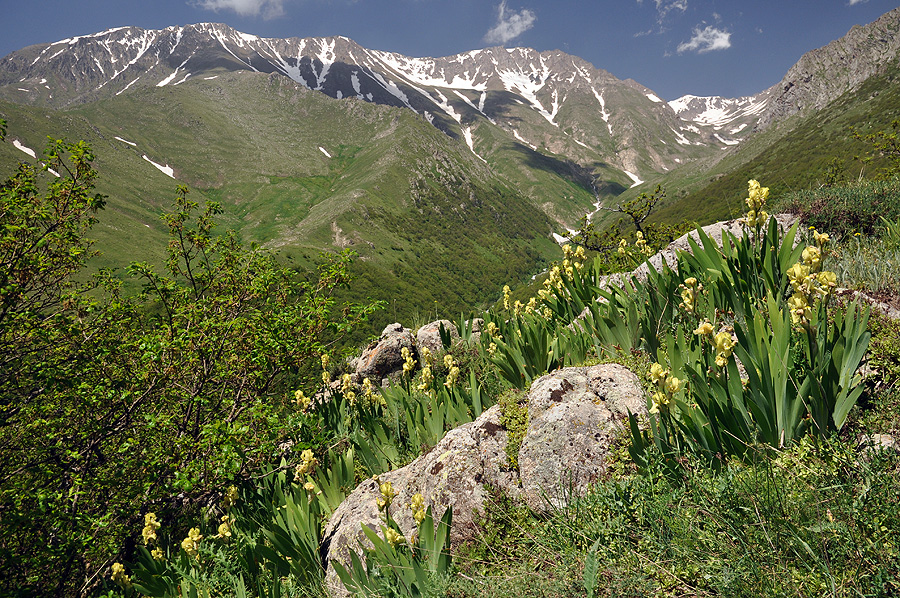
(453, 473)
(429, 335)
(574, 415)
(873, 443)
(384, 356)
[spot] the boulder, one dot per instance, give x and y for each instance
(453, 473)
(429, 335)
(874, 443)
(475, 325)
(574, 415)
(383, 357)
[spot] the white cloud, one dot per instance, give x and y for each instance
(510, 24)
(706, 40)
(664, 7)
(852, 2)
(246, 8)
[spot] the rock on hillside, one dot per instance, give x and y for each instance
(574, 414)
(822, 75)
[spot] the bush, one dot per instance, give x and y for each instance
(112, 406)
(845, 210)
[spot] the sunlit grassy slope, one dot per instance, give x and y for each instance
(299, 173)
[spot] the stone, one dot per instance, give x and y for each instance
(384, 357)
(870, 443)
(429, 335)
(574, 414)
(453, 473)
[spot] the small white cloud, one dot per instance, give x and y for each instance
(706, 40)
(510, 24)
(246, 8)
(852, 2)
(664, 7)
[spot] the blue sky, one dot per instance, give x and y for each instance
(704, 47)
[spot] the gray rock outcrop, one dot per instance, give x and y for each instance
(453, 473)
(574, 413)
(574, 416)
(822, 75)
(429, 335)
(384, 357)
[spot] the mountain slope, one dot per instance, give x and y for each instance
(453, 171)
(301, 173)
(548, 101)
(824, 74)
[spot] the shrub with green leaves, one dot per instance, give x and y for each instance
(112, 405)
(848, 209)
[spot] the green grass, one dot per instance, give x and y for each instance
(793, 156)
(816, 520)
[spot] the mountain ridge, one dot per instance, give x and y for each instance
(453, 93)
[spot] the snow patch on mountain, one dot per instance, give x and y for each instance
(445, 105)
(604, 114)
(527, 85)
(327, 58)
(637, 180)
(467, 133)
(124, 89)
(522, 139)
(715, 111)
(18, 145)
(171, 77)
(166, 170)
(422, 72)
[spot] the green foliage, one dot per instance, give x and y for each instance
(527, 346)
(884, 358)
(788, 392)
(811, 520)
(262, 541)
(890, 234)
(885, 143)
(846, 210)
(865, 263)
(42, 248)
(113, 405)
(514, 419)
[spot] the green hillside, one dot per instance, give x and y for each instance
(434, 227)
(794, 155)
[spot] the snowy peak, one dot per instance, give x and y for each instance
(721, 114)
(548, 102)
